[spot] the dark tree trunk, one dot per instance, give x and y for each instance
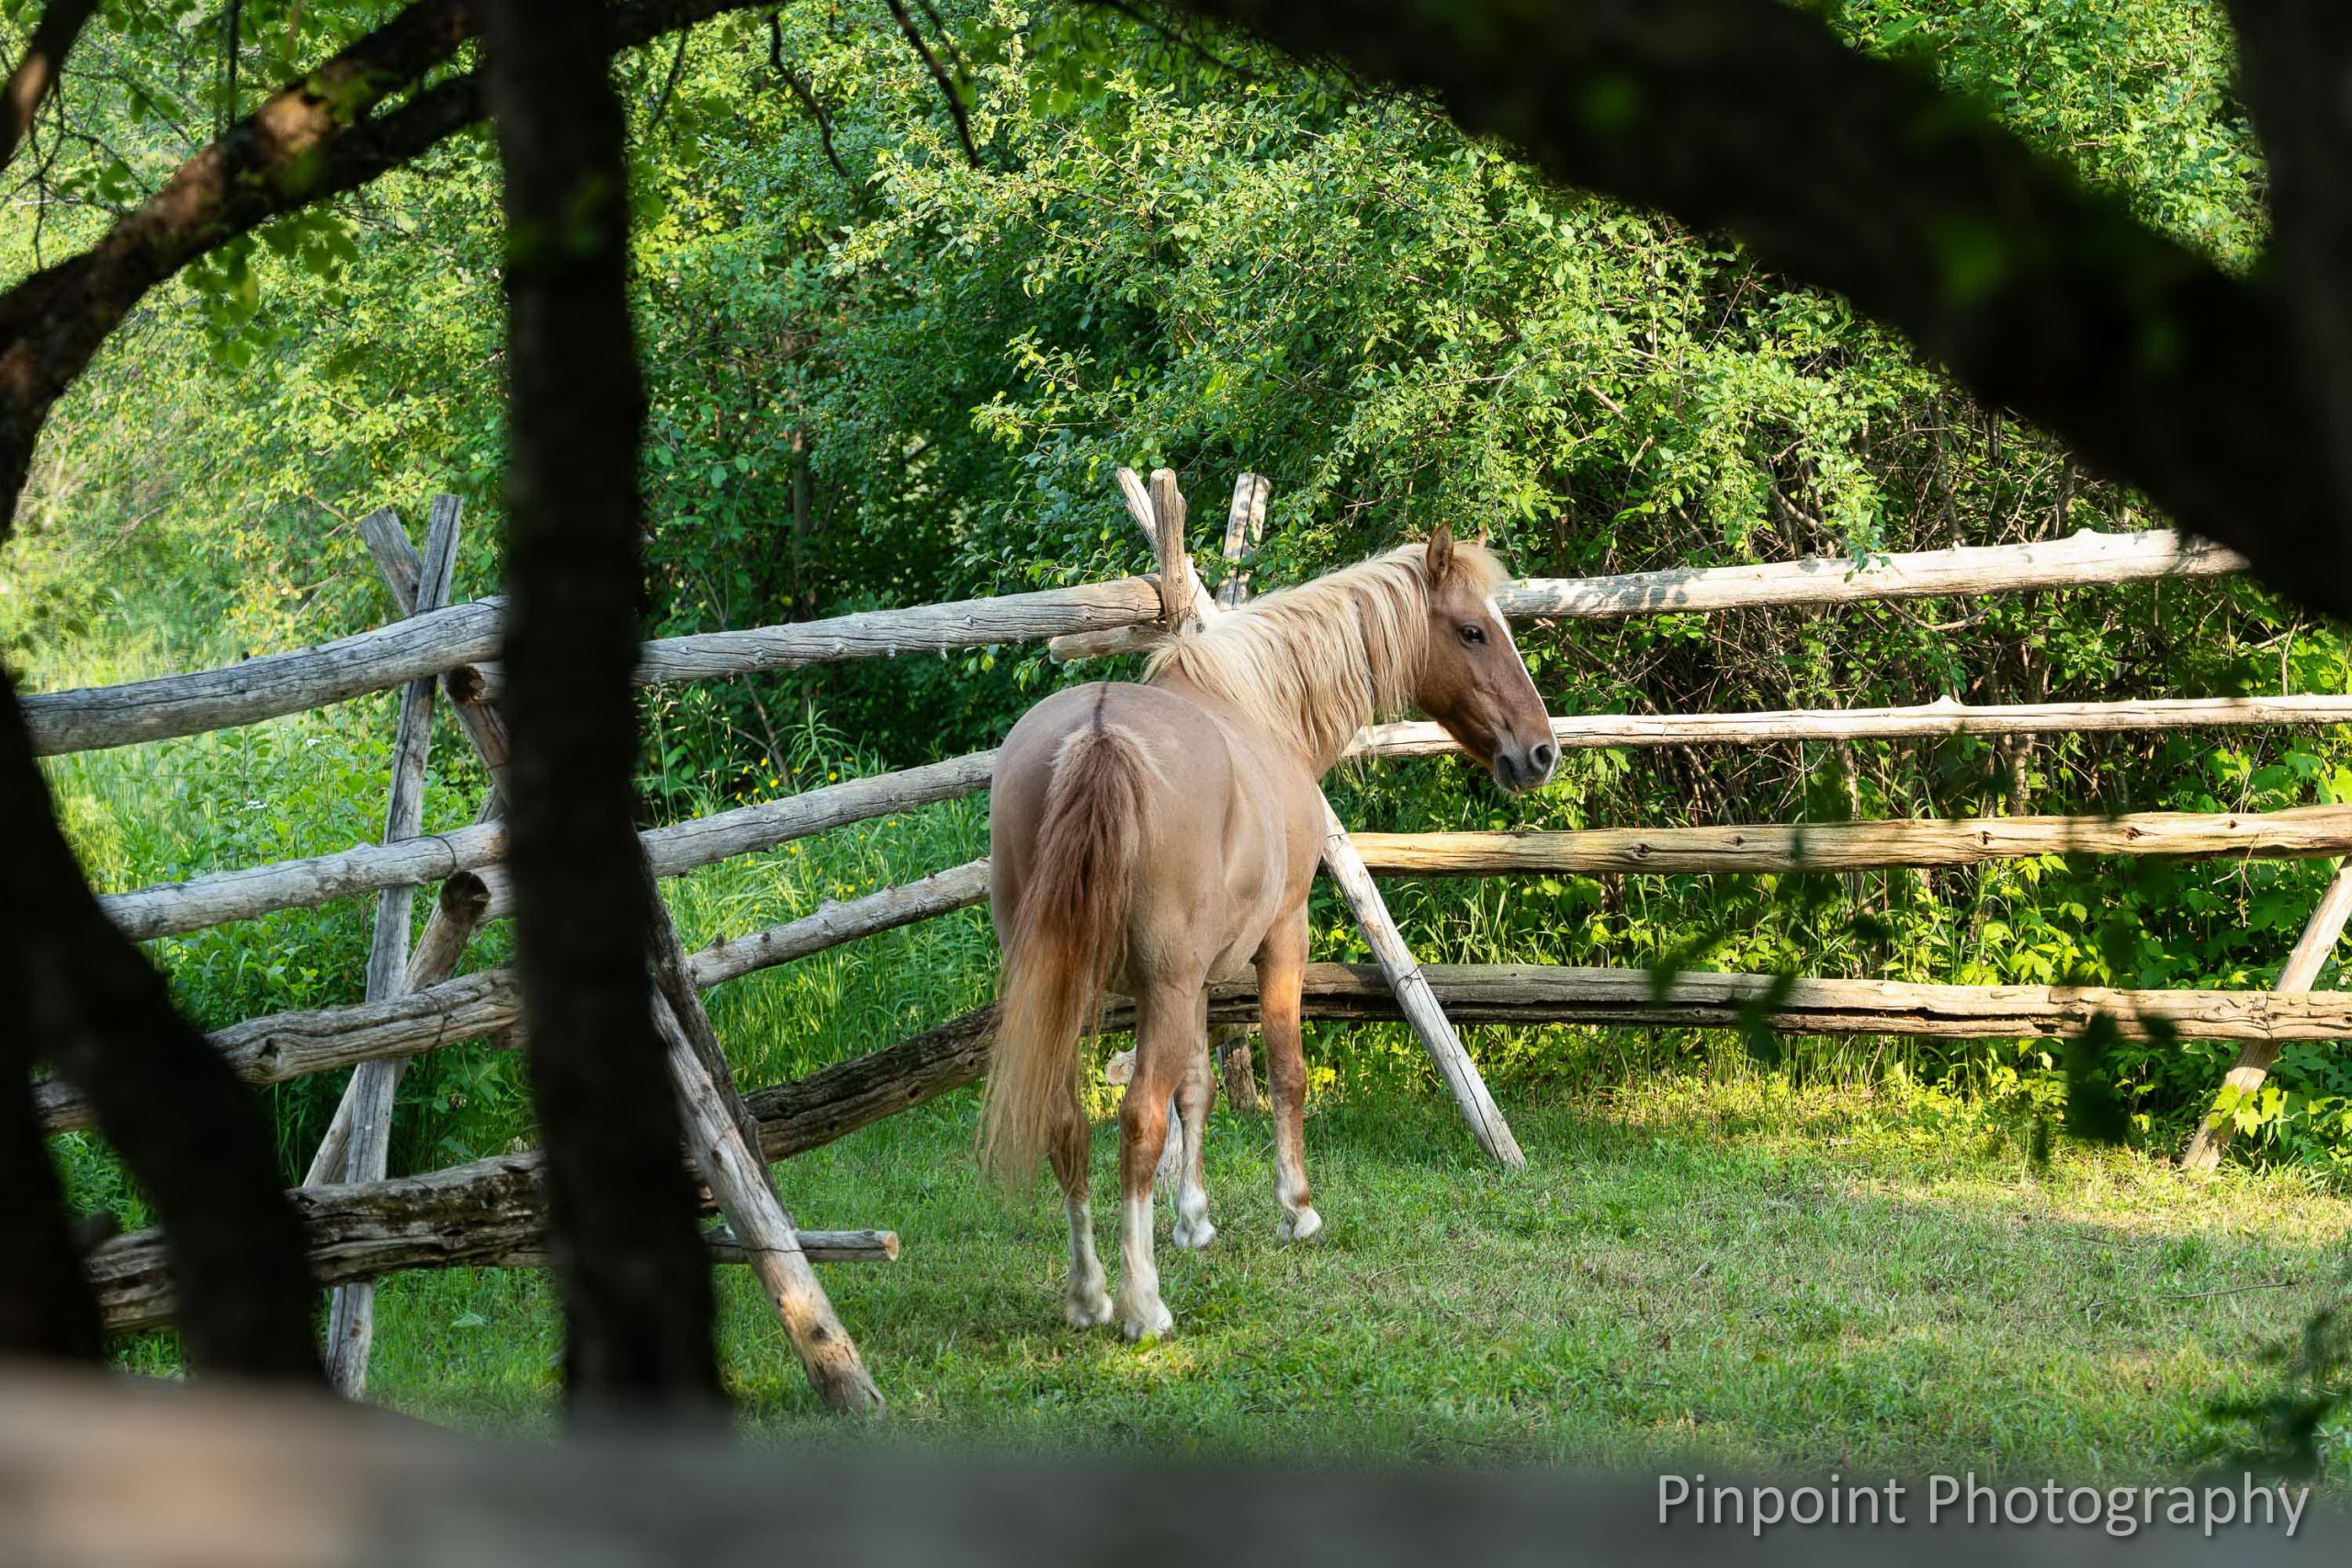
(2295, 72)
(45, 1305)
(635, 1277)
(81, 994)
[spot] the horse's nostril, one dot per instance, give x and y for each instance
(1542, 756)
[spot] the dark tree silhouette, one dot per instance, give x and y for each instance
(635, 1276)
(79, 992)
(45, 1305)
(72, 990)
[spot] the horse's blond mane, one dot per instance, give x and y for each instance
(1318, 662)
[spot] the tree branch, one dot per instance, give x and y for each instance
(36, 75)
(807, 96)
(312, 139)
(2295, 72)
(1858, 176)
(939, 75)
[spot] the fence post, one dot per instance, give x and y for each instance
(2303, 967)
(366, 1109)
(716, 1119)
(725, 1139)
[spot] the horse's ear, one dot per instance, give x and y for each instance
(1441, 552)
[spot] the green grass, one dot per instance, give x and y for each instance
(1710, 1269)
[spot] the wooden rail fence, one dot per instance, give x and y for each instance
(492, 1210)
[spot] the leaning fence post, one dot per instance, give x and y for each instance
(724, 1137)
(351, 1316)
(716, 1119)
(2303, 967)
(457, 914)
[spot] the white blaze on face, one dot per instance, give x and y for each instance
(1502, 626)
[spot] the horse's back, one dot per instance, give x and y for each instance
(1216, 856)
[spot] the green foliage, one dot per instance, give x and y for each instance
(878, 374)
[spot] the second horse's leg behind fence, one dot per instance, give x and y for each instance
(1194, 1091)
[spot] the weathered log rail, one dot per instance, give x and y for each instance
(493, 1210)
(2082, 559)
(488, 1211)
(218, 897)
(1923, 721)
(222, 897)
(289, 1045)
(272, 685)
(488, 1003)
(2304, 832)
(2087, 558)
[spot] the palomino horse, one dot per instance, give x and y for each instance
(1156, 838)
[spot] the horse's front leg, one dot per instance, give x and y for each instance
(1167, 1037)
(1282, 975)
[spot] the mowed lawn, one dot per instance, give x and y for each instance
(1723, 1271)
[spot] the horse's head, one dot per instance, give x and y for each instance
(1473, 680)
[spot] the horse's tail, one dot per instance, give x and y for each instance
(1067, 937)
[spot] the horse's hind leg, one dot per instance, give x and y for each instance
(1167, 1035)
(1087, 1304)
(1193, 1093)
(1281, 974)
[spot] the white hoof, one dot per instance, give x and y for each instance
(1302, 1224)
(1084, 1309)
(1145, 1321)
(1192, 1235)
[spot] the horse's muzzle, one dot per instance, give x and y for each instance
(1521, 768)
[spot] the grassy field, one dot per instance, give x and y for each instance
(1719, 1271)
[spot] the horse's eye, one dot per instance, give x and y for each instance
(1474, 635)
